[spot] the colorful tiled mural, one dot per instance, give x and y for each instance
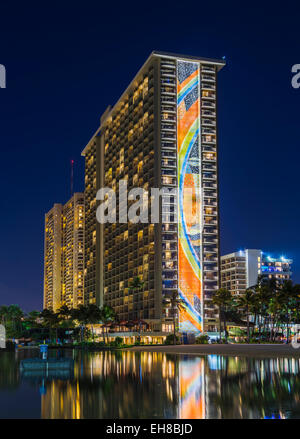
(189, 196)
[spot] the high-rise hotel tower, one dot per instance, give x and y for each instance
(64, 254)
(162, 134)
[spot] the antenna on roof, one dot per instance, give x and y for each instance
(72, 176)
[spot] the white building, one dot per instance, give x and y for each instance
(240, 270)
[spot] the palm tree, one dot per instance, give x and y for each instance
(296, 294)
(274, 310)
(135, 286)
(64, 312)
(31, 320)
(174, 303)
(51, 320)
(245, 302)
(81, 315)
(107, 315)
(263, 296)
(15, 315)
(222, 299)
(94, 315)
(33, 315)
(287, 301)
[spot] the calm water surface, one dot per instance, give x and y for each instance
(128, 384)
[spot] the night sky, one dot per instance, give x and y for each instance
(67, 61)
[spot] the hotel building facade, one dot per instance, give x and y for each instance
(64, 254)
(240, 270)
(162, 133)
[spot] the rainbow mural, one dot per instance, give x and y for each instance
(189, 196)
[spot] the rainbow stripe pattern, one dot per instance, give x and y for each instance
(189, 197)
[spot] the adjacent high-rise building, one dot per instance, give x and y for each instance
(64, 254)
(53, 257)
(162, 133)
(240, 270)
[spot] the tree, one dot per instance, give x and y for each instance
(135, 286)
(245, 302)
(30, 322)
(274, 309)
(263, 296)
(85, 315)
(175, 303)
(296, 294)
(222, 299)
(51, 320)
(15, 315)
(4, 314)
(287, 298)
(64, 312)
(107, 315)
(94, 315)
(81, 315)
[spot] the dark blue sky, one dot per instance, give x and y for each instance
(66, 61)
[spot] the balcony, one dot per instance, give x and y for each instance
(169, 235)
(168, 65)
(207, 104)
(169, 181)
(207, 69)
(169, 265)
(209, 167)
(168, 74)
(168, 164)
(208, 131)
(166, 99)
(210, 259)
(168, 135)
(165, 128)
(168, 154)
(208, 113)
(168, 145)
(210, 139)
(210, 231)
(208, 95)
(208, 78)
(168, 91)
(206, 86)
(169, 284)
(170, 228)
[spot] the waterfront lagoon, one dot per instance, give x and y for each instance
(154, 385)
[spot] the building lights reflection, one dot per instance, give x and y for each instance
(127, 384)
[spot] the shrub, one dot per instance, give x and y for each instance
(170, 339)
(118, 341)
(202, 339)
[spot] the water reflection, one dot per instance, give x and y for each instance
(156, 385)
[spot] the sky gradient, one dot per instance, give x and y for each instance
(66, 63)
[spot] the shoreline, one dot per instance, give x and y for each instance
(235, 350)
